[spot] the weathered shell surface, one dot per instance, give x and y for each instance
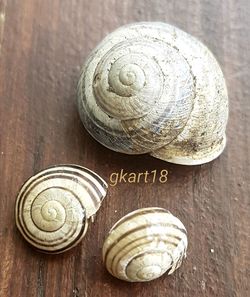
(145, 244)
(152, 88)
(53, 206)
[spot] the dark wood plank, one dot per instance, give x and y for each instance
(44, 44)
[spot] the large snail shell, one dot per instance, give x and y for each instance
(145, 244)
(53, 206)
(152, 88)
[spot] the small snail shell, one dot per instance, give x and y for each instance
(145, 244)
(53, 206)
(152, 88)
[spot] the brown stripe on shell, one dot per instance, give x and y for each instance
(146, 253)
(64, 249)
(56, 174)
(96, 189)
(50, 171)
(150, 232)
(93, 174)
(25, 229)
(137, 213)
(23, 197)
(135, 247)
(139, 229)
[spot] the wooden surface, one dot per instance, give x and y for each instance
(44, 43)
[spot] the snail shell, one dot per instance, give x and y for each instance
(145, 244)
(53, 206)
(152, 88)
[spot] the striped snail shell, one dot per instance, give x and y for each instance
(145, 244)
(152, 88)
(53, 206)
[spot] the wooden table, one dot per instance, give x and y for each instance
(43, 45)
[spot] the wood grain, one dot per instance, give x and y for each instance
(44, 44)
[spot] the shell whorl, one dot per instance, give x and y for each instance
(145, 244)
(149, 84)
(53, 206)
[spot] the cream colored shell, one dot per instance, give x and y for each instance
(53, 206)
(145, 244)
(152, 88)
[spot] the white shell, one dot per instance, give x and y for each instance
(53, 206)
(152, 88)
(145, 244)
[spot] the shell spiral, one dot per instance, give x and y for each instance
(152, 88)
(53, 206)
(145, 244)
